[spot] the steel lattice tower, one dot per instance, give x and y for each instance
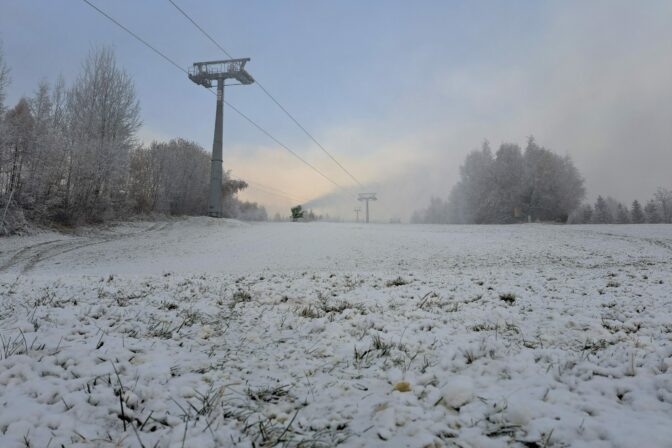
(204, 73)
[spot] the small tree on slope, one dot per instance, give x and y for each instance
(622, 215)
(636, 213)
(602, 215)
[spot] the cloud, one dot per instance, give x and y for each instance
(591, 80)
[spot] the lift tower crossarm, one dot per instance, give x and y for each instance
(203, 73)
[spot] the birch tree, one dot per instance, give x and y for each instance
(4, 81)
(104, 115)
(4, 150)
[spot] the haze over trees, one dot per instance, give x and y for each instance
(536, 184)
(509, 186)
(70, 155)
(608, 210)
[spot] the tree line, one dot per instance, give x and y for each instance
(69, 155)
(533, 185)
(608, 210)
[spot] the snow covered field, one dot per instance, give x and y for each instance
(204, 333)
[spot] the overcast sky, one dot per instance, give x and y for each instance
(398, 91)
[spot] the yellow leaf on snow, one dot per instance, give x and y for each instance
(402, 386)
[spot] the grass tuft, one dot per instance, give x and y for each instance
(508, 297)
(396, 282)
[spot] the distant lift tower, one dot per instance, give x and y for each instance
(357, 210)
(204, 73)
(366, 197)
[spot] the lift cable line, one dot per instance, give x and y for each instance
(273, 189)
(235, 109)
(270, 190)
(268, 134)
(110, 18)
(273, 193)
(207, 35)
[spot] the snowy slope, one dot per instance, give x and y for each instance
(206, 332)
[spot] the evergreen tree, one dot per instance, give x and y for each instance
(476, 186)
(587, 214)
(602, 215)
(297, 213)
(651, 212)
(508, 171)
(436, 213)
(636, 213)
(622, 215)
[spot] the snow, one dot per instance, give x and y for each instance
(219, 333)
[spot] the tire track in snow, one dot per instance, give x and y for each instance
(30, 256)
(25, 254)
(657, 242)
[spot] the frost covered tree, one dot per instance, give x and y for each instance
(104, 115)
(169, 177)
(587, 213)
(472, 198)
(32, 153)
(4, 81)
(553, 185)
(507, 184)
(250, 211)
(174, 178)
(18, 142)
(5, 158)
(663, 199)
(651, 212)
(436, 213)
(622, 214)
(44, 170)
(636, 213)
(601, 213)
(582, 215)
(234, 208)
(510, 186)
